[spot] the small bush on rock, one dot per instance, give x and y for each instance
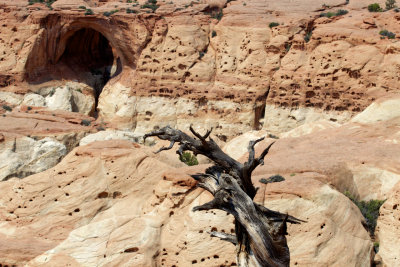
(8, 108)
(390, 4)
(273, 24)
(369, 209)
(189, 159)
(374, 8)
(388, 34)
(86, 122)
(89, 12)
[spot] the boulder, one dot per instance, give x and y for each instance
(388, 229)
(25, 156)
(60, 98)
(35, 100)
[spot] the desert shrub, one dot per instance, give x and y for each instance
(151, 4)
(88, 12)
(189, 159)
(8, 108)
(273, 24)
(109, 13)
(390, 4)
(31, 2)
(216, 14)
(131, 11)
(369, 209)
(340, 12)
(272, 135)
(86, 122)
(307, 37)
(388, 34)
(287, 47)
(374, 8)
(272, 179)
(376, 247)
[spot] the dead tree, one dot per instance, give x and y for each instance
(260, 233)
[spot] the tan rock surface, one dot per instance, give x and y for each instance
(91, 209)
(180, 52)
(387, 230)
(333, 222)
(362, 159)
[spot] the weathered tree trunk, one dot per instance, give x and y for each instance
(260, 233)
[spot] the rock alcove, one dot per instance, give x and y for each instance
(92, 59)
(82, 55)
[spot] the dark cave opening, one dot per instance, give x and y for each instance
(91, 58)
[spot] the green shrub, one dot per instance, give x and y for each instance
(272, 135)
(287, 47)
(189, 159)
(86, 122)
(374, 8)
(307, 37)
(151, 4)
(217, 15)
(272, 179)
(339, 12)
(88, 12)
(131, 11)
(273, 24)
(388, 34)
(369, 209)
(390, 4)
(8, 108)
(109, 13)
(31, 2)
(376, 247)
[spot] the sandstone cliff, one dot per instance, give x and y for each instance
(181, 64)
(81, 72)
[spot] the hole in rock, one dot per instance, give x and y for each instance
(84, 55)
(88, 52)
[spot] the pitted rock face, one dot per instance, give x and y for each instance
(305, 69)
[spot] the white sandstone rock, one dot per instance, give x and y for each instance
(60, 99)
(34, 100)
(111, 135)
(25, 156)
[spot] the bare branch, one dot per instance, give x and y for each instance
(260, 232)
(224, 237)
(264, 153)
(213, 204)
(250, 148)
(208, 182)
(165, 148)
(201, 138)
(208, 133)
(253, 162)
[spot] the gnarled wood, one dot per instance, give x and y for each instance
(260, 232)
